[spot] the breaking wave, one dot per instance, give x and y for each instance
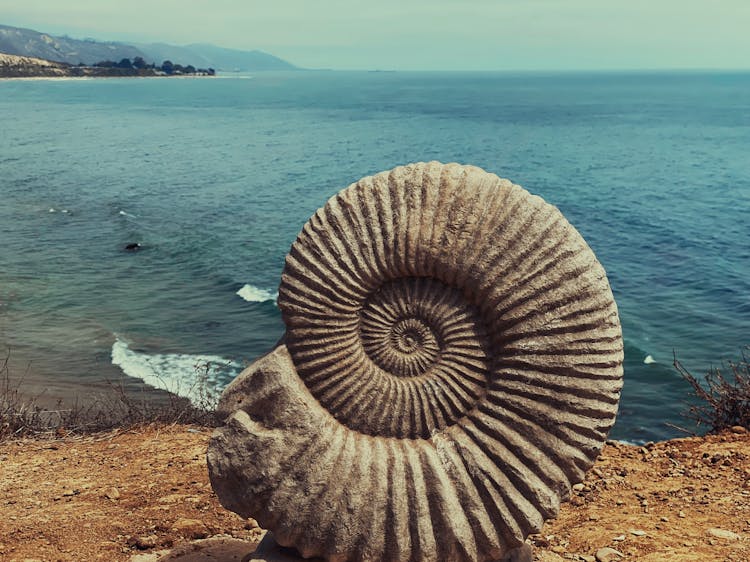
(189, 376)
(255, 294)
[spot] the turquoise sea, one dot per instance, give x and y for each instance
(215, 177)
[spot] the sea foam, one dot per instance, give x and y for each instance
(254, 294)
(186, 375)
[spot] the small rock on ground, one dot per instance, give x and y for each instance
(608, 554)
(150, 557)
(190, 528)
(549, 557)
(215, 549)
(723, 534)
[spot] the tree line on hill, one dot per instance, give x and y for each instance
(14, 66)
(167, 67)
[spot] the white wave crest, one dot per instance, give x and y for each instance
(124, 214)
(254, 294)
(186, 375)
(633, 442)
(649, 359)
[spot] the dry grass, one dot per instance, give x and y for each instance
(723, 395)
(22, 416)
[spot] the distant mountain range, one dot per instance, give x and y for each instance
(30, 43)
(211, 56)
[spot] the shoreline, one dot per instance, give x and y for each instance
(34, 390)
(154, 377)
(70, 395)
(65, 78)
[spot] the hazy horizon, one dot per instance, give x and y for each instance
(484, 35)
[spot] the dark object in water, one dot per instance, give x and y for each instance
(133, 247)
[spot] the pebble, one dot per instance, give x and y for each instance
(681, 514)
(548, 557)
(608, 554)
(145, 542)
(190, 528)
(112, 494)
(723, 534)
(172, 498)
(619, 538)
(637, 532)
(738, 429)
(578, 487)
(150, 557)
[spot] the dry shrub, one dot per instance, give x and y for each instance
(723, 395)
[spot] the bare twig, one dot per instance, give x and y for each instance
(723, 399)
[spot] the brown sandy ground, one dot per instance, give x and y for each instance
(131, 495)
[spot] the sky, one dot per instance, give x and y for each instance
(422, 34)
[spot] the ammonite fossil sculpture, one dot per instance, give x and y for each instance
(452, 365)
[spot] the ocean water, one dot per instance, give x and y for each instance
(215, 177)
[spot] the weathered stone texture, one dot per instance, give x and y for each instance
(452, 365)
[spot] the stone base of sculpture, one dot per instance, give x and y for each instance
(269, 551)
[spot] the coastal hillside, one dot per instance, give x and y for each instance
(138, 494)
(13, 66)
(31, 43)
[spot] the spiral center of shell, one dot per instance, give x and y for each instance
(398, 333)
(410, 358)
(411, 349)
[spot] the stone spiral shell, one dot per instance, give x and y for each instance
(457, 363)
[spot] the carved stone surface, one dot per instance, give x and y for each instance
(452, 365)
